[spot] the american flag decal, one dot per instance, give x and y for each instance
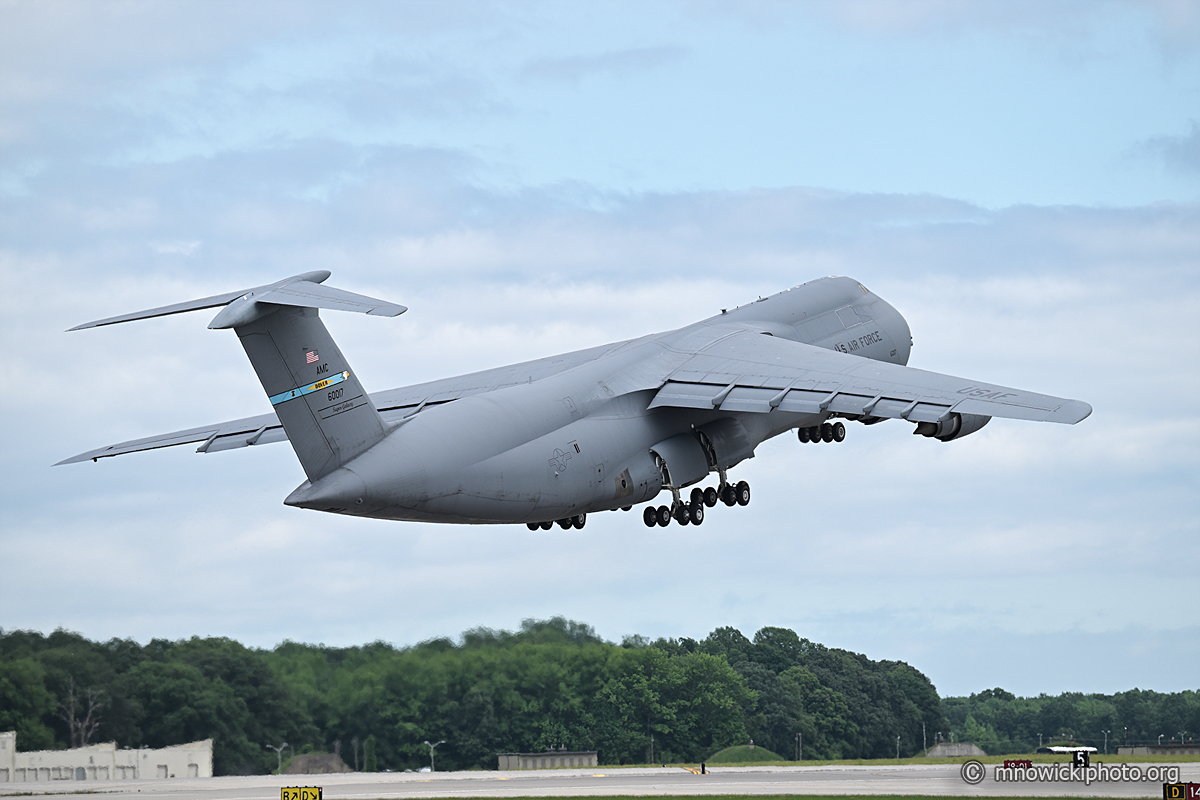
(311, 357)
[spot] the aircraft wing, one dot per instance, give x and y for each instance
(756, 373)
(394, 405)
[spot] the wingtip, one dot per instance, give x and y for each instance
(389, 310)
(1073, 411)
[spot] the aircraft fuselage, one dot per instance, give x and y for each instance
(582, 440)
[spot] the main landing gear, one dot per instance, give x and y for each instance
(577, 521)
(692, 512)
(824, 432)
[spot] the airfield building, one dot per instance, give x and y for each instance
(103, 762)
(549, 759)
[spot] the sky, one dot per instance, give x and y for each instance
(1021, 180)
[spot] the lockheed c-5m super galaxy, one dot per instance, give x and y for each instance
(600, 429)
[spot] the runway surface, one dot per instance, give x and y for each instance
(841, 780)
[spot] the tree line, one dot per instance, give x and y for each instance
(552, 684)
(1000, 722)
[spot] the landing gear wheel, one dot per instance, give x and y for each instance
(579, 520)
(547, 525)
(697, 496)
(710, 497)
(743, 494)
(696, 512)
(681, 514)
(664, 516)
(729, 496)
(826, 432)
(839, 432)
(802, 433)
(814, 434)
(650, 516)
(533, 526)
(564, 523)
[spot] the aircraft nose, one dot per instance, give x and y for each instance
(339, 491)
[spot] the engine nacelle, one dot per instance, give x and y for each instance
(955, 426)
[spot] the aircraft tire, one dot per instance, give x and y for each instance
(839, 432)
(547, 525)
(533, 526)
(729, 496)
(564, 523)
(579, 520)
(814, 434)
(710, 497)
(802, 435)
(650, 516)
(743, 494)
(696, 512)
(697, 495)
(826, 432)
(664, 516)
(681, 514)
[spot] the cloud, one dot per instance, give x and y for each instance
(884, 533)
(621, 63)
(1071, 27)
(383, 143)
(1180, 154)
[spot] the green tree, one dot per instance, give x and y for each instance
(182, 705)
(369, 762)
(25, 703)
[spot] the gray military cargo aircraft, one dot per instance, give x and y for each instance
(600, 429)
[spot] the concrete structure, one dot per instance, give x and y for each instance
(954, 750)
(1188, 749)
(549, 759)
(103, 762)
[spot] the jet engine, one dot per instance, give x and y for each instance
(954, 426)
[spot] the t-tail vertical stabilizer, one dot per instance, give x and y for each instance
(319, 400)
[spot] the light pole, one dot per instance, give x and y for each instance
(1039, 741)
(1105, 741)
(1160, 739)
(278, 754)
(431, 747)
(923, 746)
(897, 747)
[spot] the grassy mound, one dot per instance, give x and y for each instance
(744, 754)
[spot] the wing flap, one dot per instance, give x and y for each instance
(753, 373)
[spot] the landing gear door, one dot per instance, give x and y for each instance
(727, 442)
(684, 458)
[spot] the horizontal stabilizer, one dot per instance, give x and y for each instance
(177, 308)
(313, 295)
(303, 291)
